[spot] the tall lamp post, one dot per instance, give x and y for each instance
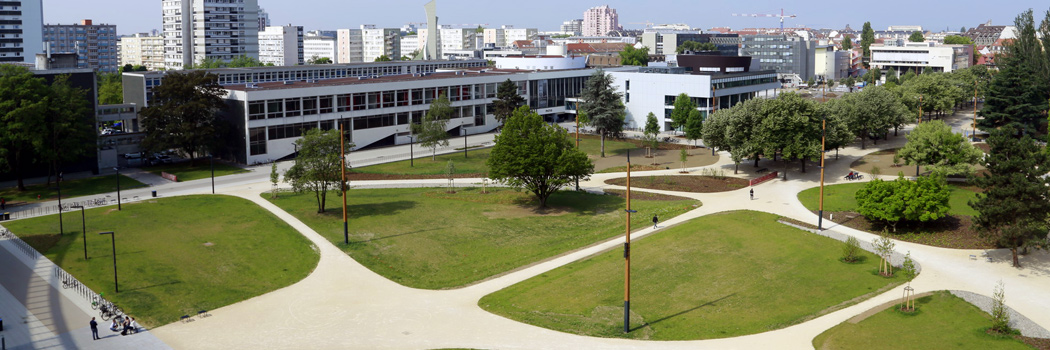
(118, 187)
(411, 151)
(83, 227)
(61, 229)
(342, 185)
(823, 139)
(113, 238)
(627, 255)
(211, 159)
(577, 147)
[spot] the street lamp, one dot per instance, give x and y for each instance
(83, 228)
(113, 239)
(627, 255)
(61, 229)
(118, 187)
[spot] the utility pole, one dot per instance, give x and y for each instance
(627, 255)
(342, 185)
(823, 139)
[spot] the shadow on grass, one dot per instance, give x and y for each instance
(393, 236)
(152, 286)
(683, 312)
(373, 209)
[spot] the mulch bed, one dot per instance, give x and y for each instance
(955, 231)
(646, 196)
(689, 183)
(1038, 343)
(366, 176)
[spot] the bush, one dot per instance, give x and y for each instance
(1000, 317)
(851, 250)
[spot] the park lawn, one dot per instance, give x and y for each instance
(941, 321)
(70, 189)
(718, 276)
(201, 169)
(841, 198)
(426, 238)
(166, 266)
(474, 161)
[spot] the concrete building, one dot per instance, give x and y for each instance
(712, 82)
(572, 27)
(282, 45)
(829, 63)
(666, 42)
(538, 63)
(986, 34)
(791, 56)
(317, 45)
(504, 35)
(458, 38)
(214, 29)
(94, 44)
(142, 50)
(904, 56)
(599, 21)
(909, 29)
(409, 44)
(264, 19)
(22, 35)
(349, 46)
(378, 42)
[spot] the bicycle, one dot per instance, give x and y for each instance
(69, 282)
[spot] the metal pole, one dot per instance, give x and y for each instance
(61, 229)
(823, 138)
(464, 143)
(627, 256)
(411, 152)
(973, 136)
(577, 147)
(342, 166)
(211, 159)
(118, 187)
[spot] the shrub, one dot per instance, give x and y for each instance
(1000, 318)
(851, 250)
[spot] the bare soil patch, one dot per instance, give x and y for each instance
(955, 231)
(684, 183)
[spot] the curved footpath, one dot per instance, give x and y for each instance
(342, 304)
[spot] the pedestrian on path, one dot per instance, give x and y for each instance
(655, 221)
(94, 329)
(752, 194)
(3, 203)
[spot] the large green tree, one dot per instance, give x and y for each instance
(847, 42)
(23, 100)
(317, 167)
(680, 114)
(791, 126)
(602, 106)
(872, 111)
(631, 56)
(535, 156)
(69, 134)
(110, 89)
(891, 202)
(431, 131)
(1014, 207)
(507, 100)
(867, 37)
(694, 126)
(1018, 94)
(737, 130)
(916, 37)
(942, 151)
(184, 114)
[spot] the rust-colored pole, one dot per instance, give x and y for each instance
(342, 185)
(627, 256)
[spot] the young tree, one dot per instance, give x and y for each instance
(884, 249)
(274, 179)
(1000, 315)
(683, 156)
(602, 105)
(450, 172)
(694, 126)
(916, 37)
(851, 250)
(934, 145)
(184, 114)
(22, 102)
(1015, 204)
(680, 114)
(431, 132)
(652, 128)
(317, 168)
(507, 100)
(534, 156)
(631, 56)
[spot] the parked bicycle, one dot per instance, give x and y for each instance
(110, 311)
(69, 283)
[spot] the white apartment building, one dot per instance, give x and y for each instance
(316, 45)
(904, 56)
(22, 30)
(409, 44)
(380, 42)
(142, 50)
(599, 21)
(830, 63)
(505, 35)
(572, 27)
(454, 39)
(349, 46)
(214, 29)
(94, 44)
(282, 45)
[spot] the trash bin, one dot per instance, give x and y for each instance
(154, 194)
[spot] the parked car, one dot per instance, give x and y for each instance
(135, 155)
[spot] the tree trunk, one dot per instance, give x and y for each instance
(603, 144)
(433, 153)
(803, 165)
(320, 201)
(756, 161)
(736, 168)
(1013, 251)
(895, 129)
(864, 139)
(18, 171)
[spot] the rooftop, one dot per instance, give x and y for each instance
(279, 85)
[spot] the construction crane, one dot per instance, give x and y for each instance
(781, 15)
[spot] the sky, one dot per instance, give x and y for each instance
(133, 16)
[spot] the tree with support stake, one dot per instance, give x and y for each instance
(450, 171)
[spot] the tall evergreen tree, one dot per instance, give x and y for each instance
(1018, 94)
(507, 100)
(867, 37)
(602, 105)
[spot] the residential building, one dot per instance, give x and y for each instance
(24, 38)
(221, 30)
(599, 21)
(538, 63)
(666, 42)
(264, 19)
(350, 46)
(572, 27)
(316, 45)
(142, 49)
(909, 29)
(94, 44)
(906, 56)
(986, 34)
(790, 55)
(409, 44)
(830, 63)
(282, 45)
(504, 35)
(458, 38)
(380, 42)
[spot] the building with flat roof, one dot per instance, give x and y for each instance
(906, 56)
(572, 27)
(282, 45)
(23, 30)
(599, 21)
(317, 45)
(195, 30)
(94, 44)
(667, 42)
(142, 49)
(791, 56)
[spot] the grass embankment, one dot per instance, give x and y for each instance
(718, 276)
(70, 189)
(941, 321)
(200, 169)
(176, 255)
(426, 238)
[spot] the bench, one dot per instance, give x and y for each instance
(203, 313)
(185, 318)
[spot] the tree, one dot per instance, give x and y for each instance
(847, 42)
(1015, 204)
(695, 46)
(631, 56)
(916, 37)
(884, 249)
(737, 130)
(275, 177)
(431, 132)
(450, 172)
(317, 167)
(184, 114)
(791, 126)
(851, 250)
(1000, 315)
(507, 100)
(601, 103)
(110, 89)
(22, 102)
(957, 40)
(867, 37)
(891, 77)
(1017, 95)
(694, 126)
(891, 202)
(382, 58)
(908, 76)
(535, 156)
(680, 114)
(934, 145)
(319, 60)
(241, 61)
(652, 128)
(683, 156)
(69, 134)
(869, 112)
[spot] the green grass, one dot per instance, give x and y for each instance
(70, 189)
(941, 321)
(426, 238)
(474, 162)
(718, 276)
(843, 198)
(165, 269)
(189, 171)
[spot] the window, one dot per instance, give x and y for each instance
(292, 107)
(627, 97)
(256, 110)
(627, 84)
(309, 105)
(257, 141)
(417, 96)
(388, 99)
(326, 104)
(373, 100)
(344, 101)
(479, 115)
(274, 109)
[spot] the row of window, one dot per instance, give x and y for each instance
(294, 107)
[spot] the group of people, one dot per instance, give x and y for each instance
(854, 176)
(125, 327)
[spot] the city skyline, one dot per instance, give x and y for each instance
(548, 14)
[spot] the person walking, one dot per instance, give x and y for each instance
(3, 203)
(94, 329)
(752, 194)
(655, 221)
